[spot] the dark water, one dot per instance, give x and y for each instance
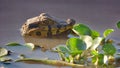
(98, 14)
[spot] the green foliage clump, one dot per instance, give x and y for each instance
(87, 45)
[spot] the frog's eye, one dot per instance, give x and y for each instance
(33, 25)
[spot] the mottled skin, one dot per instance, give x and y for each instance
(46, 26)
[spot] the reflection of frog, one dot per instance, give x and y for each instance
(45, 26)
(46, 30)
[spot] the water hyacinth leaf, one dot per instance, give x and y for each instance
(95, 34)
(13, 44)
(82, 29)
(3, 51)
(87, 39)
(118, 25)
(100, 59)
(94, 60)
(107, 32)
(75, 44)
(30, 45)
(94, 52)
(109, 49)
(63, 53)
(96, 43)
(74, 53)
(5, 59)
(67, 59)
(63, 49)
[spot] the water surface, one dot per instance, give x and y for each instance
(98, 14)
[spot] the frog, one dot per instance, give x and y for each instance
(45, 26)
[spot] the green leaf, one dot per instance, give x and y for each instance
(67, 59)
(30, 45)
(94, 52)
(3, 52)
(97, 58)
(63, 49)
(109, 49)
(5, 59)
(95, 34)
(100, 59)
(74, 53)
(107, 32)
(75, 44)
(63, 52)
(96, 43)
(82, 29)
(94, 59)
(118, 25)
(13, 44)
(87, 39)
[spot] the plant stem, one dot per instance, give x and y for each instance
(49, 62)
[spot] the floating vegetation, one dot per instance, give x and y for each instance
(3, 52)
(87, 45)
(88, 48)
(30, 45)
(49, 62)
(6, 60)
(13, 44)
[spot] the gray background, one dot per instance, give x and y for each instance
(98, 14)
